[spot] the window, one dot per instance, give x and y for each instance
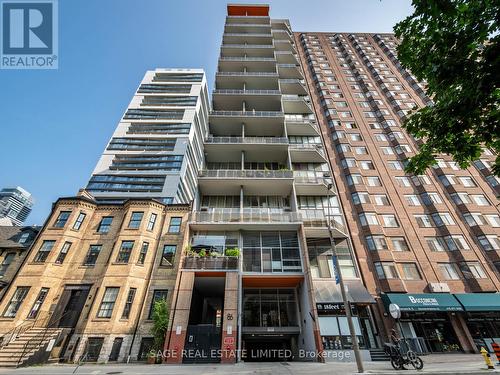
(16, 301)
(489, 242)
(366, 165)
(175, 225)
(63, 252)
(354, 179)
(376, 243)
(386, 270)
(435, 243)
(472, 270)
(368, 219)
(125, 251)
(151, 222)
(473, 219)
(410, 271)
(360, 150)
(373, 181)
(423, 221)
(108, 302)
(387, 150)
(91, 258)
(24, 237)
(38, 303)
(360, 198)
(168, 254)
(480, 200)
(143, 253)
(456, 242)
(158, 295)
(105, 224)
(62, 219)
(395, 165)
(7, 260)
(135, 220)
(128, 303)
(412, 200)
(494, 220)
(467, 181)
(389, 221)
(449, 271)
(442, 218)
(431, 198)
(44, 251)
(399, 244)
(79, 221)
(381, 200)
(403, 181)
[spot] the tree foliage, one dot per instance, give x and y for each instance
(453, 46)
(160, 323)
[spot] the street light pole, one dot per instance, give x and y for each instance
(347, 305)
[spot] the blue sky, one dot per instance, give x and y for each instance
(55, 123)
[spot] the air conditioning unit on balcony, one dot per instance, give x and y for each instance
(439, 288)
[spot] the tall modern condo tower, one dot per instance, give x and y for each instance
(156, 149)
(15, 204)
(263, 190)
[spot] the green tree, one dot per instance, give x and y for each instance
(453, 45)
(160, 324)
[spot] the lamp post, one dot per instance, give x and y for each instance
(340, 280)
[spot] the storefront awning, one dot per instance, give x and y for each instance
(422, 302)
(479, 301)
(329, 292)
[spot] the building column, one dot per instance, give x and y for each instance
(462, 331)
(176, 337)
(230, 319)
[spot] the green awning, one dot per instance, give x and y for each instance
(479, 301)
(422, 302)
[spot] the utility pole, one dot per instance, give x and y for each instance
(328, 180)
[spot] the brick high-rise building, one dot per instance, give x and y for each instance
(428, 243)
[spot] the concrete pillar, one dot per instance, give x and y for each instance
(230, 319)
(462, 331)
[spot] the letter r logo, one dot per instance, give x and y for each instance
(27, 28)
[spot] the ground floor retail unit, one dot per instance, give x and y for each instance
(443, 322)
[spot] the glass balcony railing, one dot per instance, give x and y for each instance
(249, 74)
(248, 113)
(246, 92)
(210, 263)
(247, 215)
(266, 140)
(242, 58)
(246, 173)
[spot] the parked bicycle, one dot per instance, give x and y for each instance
(401, 358)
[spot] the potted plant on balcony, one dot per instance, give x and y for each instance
(231, 260)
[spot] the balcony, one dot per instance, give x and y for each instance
(260, 100)
(222, 263)
(286, 57)
(254, 218)
(250, 38)
(249, 80)
(296, 104)
(247, 28)
(307, 153)
(310, 183)
(255, 148)
(247, 140)
(254, 182)
(301, 124)
(262, 123)
(289, 71)
(239, 63)
(293, 86)
(316, 225)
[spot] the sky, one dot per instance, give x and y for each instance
(54, 124)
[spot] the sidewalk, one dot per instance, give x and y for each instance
(433, 364)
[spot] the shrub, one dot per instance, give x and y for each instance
(233, 252)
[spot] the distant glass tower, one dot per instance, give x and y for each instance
(15, 204)
(156, 149)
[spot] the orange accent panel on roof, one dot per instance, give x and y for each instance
(248, 10)
(272, 282)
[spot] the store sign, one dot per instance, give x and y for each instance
(334, 309)
(423, 302)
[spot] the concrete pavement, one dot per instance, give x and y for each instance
(434, 364)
